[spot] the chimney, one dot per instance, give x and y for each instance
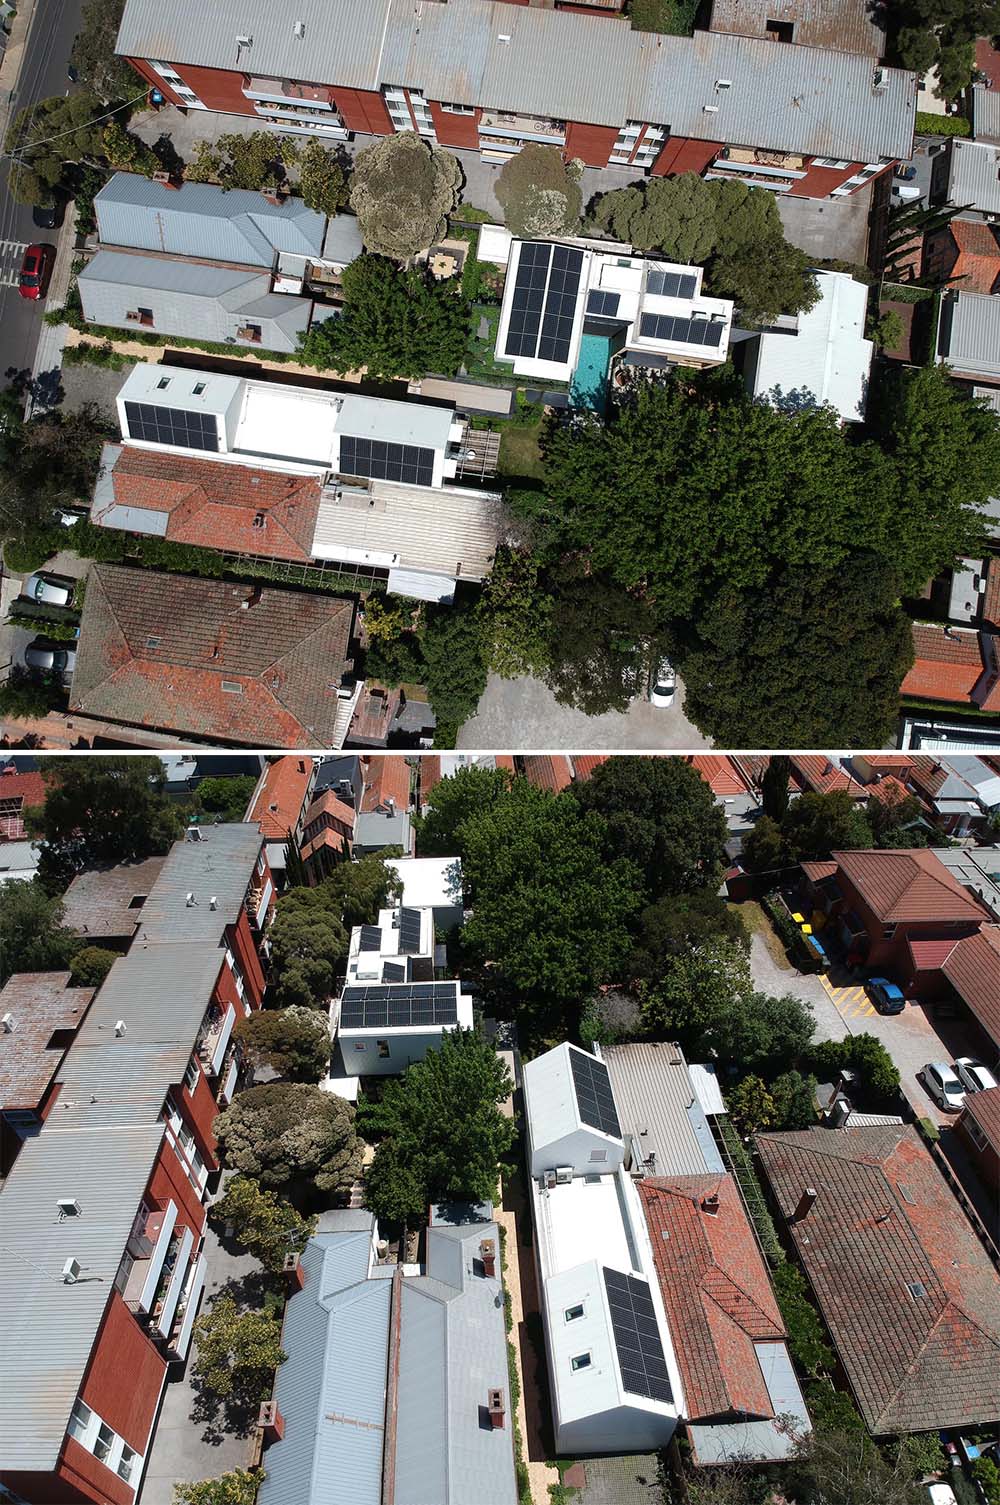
(806, 1201)
(293, 1272)
(270, 1422)
(488, 1254)
(710, 1204)
(165, 180)
(496, 1409)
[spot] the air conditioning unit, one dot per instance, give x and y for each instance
(120, 1027)
(68, 1207)
(564, 1173)
(710, 109)
(71, 1272)
(548, 1179)
(8, 1023)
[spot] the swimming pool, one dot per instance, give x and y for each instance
(589, 387)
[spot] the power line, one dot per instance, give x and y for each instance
(83, 126)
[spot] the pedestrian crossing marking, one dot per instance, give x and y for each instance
(11, 256)
(850, 1003)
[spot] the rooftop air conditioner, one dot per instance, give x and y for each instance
(120, 1027)
(564, 1173)
(68, 1207)
(8, 1024)
(71, 1272)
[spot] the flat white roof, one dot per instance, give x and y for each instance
(828, 359)
(582, 1219)
(429, 882)
(450, 530)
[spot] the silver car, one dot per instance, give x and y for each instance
(49, 657)
(973, 1075)
(52, 590)
(942, 1084)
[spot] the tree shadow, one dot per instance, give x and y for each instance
(234, 1415)
(167, 154)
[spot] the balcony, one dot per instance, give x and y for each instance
(214, 1037)
(522, 127)
(286, 90)
(171, 1283)
(187, 1309)
(144, 1278)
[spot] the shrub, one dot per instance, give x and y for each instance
(236, 1488)
(89, 967)
(806, 1334)
(941, 125)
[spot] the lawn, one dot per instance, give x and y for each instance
(758, 923)
(480, 361)
(519, 451)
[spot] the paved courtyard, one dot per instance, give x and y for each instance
(526, 711)
(785, 982)
(829, 229)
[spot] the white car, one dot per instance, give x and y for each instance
(974, 1076)
(941, 1494)
(943, 1086)
(53, 590)
(661, 691)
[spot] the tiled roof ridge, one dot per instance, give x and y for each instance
(948, 1309)
(297, 647)
(96, 578)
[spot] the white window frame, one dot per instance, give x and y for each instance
(575, 1312)
(581, 1361)
(453, 109)
(831, 162)
(85, 1428)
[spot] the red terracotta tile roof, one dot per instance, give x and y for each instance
(552, 773)
(822, 776)
(908, 886)
(720, 774)
(716, 1292)
(162, 651)
(973, 969)
(41, 1003)
(907, 1291)
(930, 955)
(991, 596)
(18, 791)
(505, 760)
(332, 807)
(429, 770)
(583, 767)
(984, 1109)
(817, 871)
(280, 798)
(888, 790)
(929, 775)
(385, 778)
(946, 667)
(972, 253)
(888, 761)
(330, 836)
(213, 505)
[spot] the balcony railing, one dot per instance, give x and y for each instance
(144, 1278)
(280, 89)
(214, 1037)
(527, 127)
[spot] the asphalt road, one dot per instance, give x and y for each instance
(43, 74)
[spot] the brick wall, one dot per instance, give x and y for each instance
(455, 130)
(683, 154)
(363, 110)
(170, 1180)
(124, 1377)
(591, 143)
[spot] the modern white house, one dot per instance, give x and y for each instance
(398, 948)
(570, 305)
(817, 358)
(613, 1373)
(432, 883)
(381, 1029)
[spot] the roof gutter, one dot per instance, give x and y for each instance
(392, 1390)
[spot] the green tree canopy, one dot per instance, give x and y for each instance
(322, 183)
(454, 669)
(468, 794)
(31, 924)
(538, 193)
(308, 942)
(256, 161)
(865, 1054)
(515, 612)
(679, 921)
(236, 1488)
(362, 887)
(47, 139)
(88, 968)
(603, 641)
(402, 191)
(98, 67)
(102, 811)
(48, 462)
(264, 1224)
(294, 1042)
(442, 1135)
(814, 825)
(394, 323)
(661, 815)
(127, 152)
(288, 1133)
(226, 799)
(236, 1353)
(549, 910)
(774, 786)
(941, 35)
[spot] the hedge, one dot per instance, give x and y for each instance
(928, 124)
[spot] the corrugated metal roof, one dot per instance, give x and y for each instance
(99, 903)
(657, 1104)
(843, 25)
(527, 59)
(985, 113)
(973, 180)
(969, 338)
(452, 530)
(199, 219)
(220, 865)
(47, 1328)
(191, 300)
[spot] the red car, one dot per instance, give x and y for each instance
(36, 270)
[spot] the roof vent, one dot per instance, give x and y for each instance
(723, 83)
(711, 109)
(189, 901)
(213, 902)
(8, 1024)
(68, 1207)
(71, 1272)
(299, 29)
(120, 1027)
(880, 82)
(503, 36)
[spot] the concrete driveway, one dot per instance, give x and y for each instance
(524, 713)
(780, 982)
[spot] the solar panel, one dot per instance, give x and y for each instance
(386, 462)
(394, 972)
(594, 1098)
(371, 938)
(172, 426)
(605, 305)
(543, 304)
(681, 331)
(637, 1337)
(670, 284)
(409, 930)
(399, 1004)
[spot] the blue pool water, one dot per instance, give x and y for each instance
(589, 387)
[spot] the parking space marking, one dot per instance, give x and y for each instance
(850, 1003)
(11, 254)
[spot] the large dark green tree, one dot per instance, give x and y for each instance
(295, 1042)
(441, 1133)
(94, 57)
(678, 922)
(32, 935)
(290, 1134)
(402, 191)
(47, 141)
(603, 641)
(394, 323)
(308, 943)
(774, 786)
(661, 815)
(48, 462)
(102, 811)
(465, 796)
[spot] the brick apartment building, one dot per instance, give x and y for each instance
(103, 1214)
(815, 121)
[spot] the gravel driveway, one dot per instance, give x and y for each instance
(524, 713)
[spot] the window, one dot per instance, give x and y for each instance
(103, 1442)
(383, 1049)
(198, 388)
(580, 1361)
(232, 687)
(360, 1045)
(138, 900)
(191, 1075)
(831, 162)
(976, 1134)
(889, 933)
(598, 1154)
(779, 31)
(164, 381)
(459, 109)
(124, 1271)
(574, 1313)
(127, 1461)
(79, 1422)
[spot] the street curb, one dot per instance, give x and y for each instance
(13, 60)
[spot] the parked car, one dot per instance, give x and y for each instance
(53, 590)
(49, 216)
(973, 1075)
(885, 995)
(50, 657)
(661, 691)
(941, 1494)
(943, 1085)
(36, 271)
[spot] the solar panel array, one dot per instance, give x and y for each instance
(397, 1005)
(371, 938)
(393, 971)
(543, 304)
(386, 462)
(637, 1337)
(670, 284)
(594, 1098)
(409, 930)
(605, 305)
(681, 331)
(172, 426)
